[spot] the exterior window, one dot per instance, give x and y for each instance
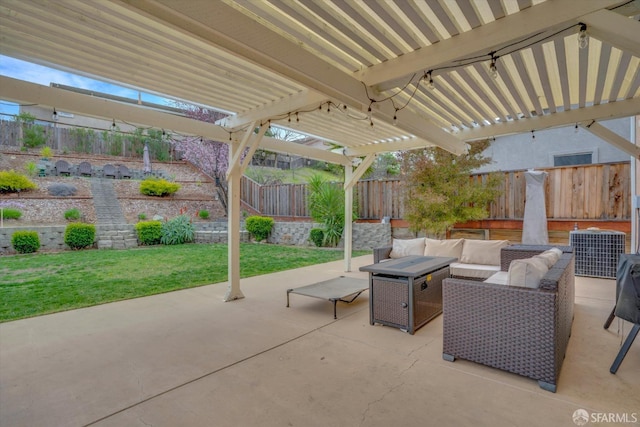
(573, 159)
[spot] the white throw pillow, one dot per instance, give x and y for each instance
(550, 257)
(406, 247)
(527, 272)
(485, 252)
(446, 248)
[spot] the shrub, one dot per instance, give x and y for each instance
(177, 230)
(13, 182)
(149, 232)
(46, 153)
(317, 236)
(33, 135)
(31, 168)
(25, 242)
(62, 190)
(158, 187)
(203, 214)
(142, 216)
(72, 214)
(79, 235)
(10, 213)
(259, 226)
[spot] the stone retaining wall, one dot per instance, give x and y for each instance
(365, 235)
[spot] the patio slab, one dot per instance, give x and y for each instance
(188, 358)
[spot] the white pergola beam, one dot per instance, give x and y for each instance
(615, 29)
(385, 147)
(234, 162)
(612, 138)
(612, 110)
(252, 149)
(24, 92)
(300, 101)
(479, 41)
(234, 32)
(357, 174)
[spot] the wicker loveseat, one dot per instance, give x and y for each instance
(517, 329)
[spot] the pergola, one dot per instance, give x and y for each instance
(369, 76)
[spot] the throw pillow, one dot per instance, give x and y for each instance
(406, 247)
(446, 248)
(550, 257)
(526, 272)
(486, 252)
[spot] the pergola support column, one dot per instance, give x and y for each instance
(233, 228)
(348, 218)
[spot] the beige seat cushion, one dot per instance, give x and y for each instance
(527, 272)
(406, 247)
(485, 252)
(445, 248)
(500, 278)
(473, 271)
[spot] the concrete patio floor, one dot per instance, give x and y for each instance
(187, 358)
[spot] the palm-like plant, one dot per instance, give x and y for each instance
(326, 206)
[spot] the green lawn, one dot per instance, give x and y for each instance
(36, 284)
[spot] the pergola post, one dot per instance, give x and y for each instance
(348, 217)
(233, 229)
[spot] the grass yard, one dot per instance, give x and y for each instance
(36, 284)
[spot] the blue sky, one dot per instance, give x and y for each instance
(22, 70)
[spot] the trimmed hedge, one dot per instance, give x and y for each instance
(25, 242)
(79, 235)
(158, 187)
(149, 232)
(317, 236)
(10, 213)
(13, 182)
(259, 226)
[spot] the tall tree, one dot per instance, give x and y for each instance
(438, 191)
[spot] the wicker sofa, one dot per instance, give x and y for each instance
(476, 259)
(517, 329)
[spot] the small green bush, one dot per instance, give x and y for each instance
(79, 235)
(149, 232)
(25, 242)
(13, 182)
(177, 230)
(142, 216)
(259, 226)
(158, 187)
(203, 214)
(31, 168)
(72, 214)
(317, 236)
(10, 213)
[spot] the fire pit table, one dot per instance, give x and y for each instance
(406, 292)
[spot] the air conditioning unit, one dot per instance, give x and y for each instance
(597, 252)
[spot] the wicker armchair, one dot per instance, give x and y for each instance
(521, 330)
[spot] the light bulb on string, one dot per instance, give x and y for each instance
(576, 128)
(493, 69)
(55, 115)
(297, 118)
(395, 118)
(370, 114)
(429, 79)
(533, 135)
(583, 37)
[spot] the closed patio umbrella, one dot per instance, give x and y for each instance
(146, 159)
(534, 228)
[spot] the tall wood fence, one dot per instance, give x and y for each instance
(598, 192)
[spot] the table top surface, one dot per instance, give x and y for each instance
(409, 266)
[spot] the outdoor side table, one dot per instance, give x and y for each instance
(406, 293)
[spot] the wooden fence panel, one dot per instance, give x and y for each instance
(598, 192)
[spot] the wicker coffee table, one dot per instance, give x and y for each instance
(406, 292)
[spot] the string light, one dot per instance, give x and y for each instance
(583, 37)
(576, 129)
(493, 70)
(55, 115)
(533, 135)
(113, 125)
(429, 80)
(395, 118)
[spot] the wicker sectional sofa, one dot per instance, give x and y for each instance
(476, 259)
(519, 329)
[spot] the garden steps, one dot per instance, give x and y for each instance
(112, 230)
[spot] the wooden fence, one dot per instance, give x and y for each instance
(598, 192)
